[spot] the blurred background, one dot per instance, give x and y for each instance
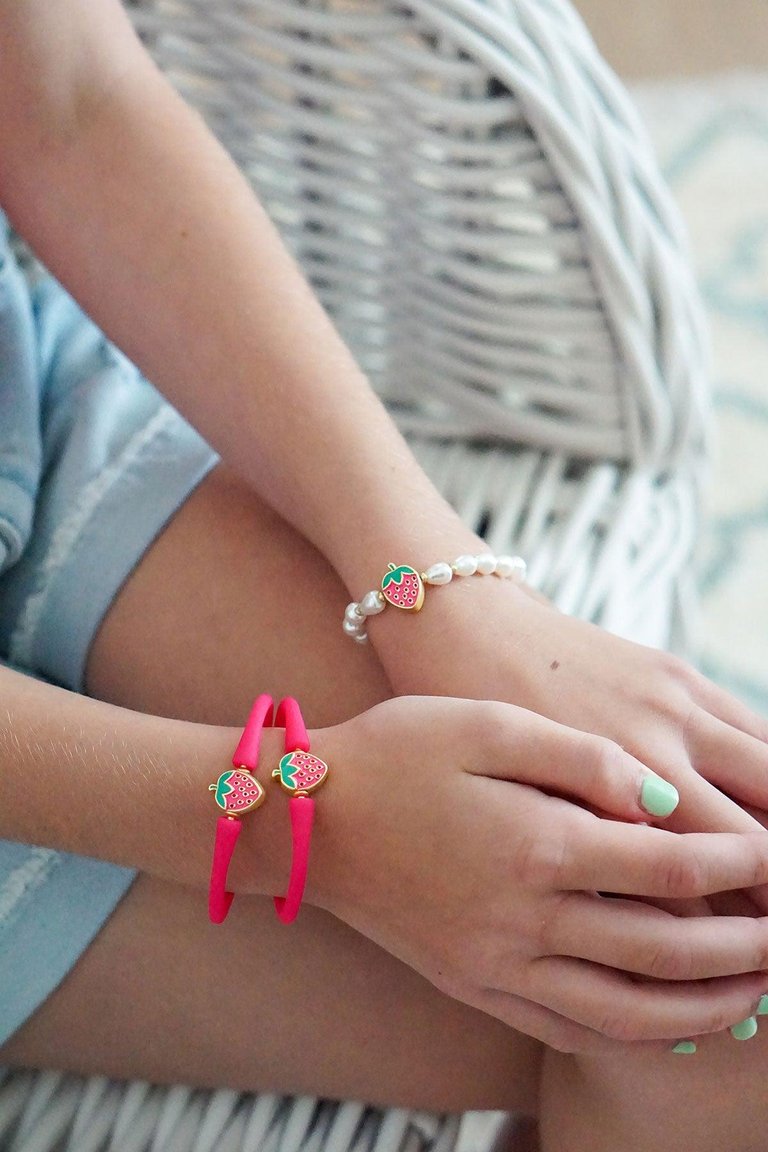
(698, 71)
(678, 37)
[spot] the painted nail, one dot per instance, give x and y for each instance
(762, 1008)
(686, 1046)
(657, 796)
(745, 1029)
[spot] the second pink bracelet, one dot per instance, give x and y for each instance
(238, 792)
(299, 773)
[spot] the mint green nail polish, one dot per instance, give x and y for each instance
(745, 1029)
(686, 1046)
(762, 1008)
(657, 796)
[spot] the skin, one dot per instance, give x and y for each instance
(99, 137)
(166, 648)
(326, 1009)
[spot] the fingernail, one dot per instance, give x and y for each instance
(686, 1046)
(745, 1029)
(658, 796)
(762, 1008)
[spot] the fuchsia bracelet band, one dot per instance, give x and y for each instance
(238, 791)
(299, 773)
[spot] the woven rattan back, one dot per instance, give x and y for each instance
(469, 193)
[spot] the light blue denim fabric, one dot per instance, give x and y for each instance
(20, 441)
(93, 463)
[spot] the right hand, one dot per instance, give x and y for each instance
(445, 836)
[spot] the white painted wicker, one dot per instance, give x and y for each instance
(56, 1112)
(469, 191)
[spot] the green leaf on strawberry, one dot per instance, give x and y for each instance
(397, 575)
(402, 587)
(299, 771)
(223, 788)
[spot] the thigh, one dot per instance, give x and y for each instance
(317, 1009)
(705, 1102)
(226, 603)
(229, 601)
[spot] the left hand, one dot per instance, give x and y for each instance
(486, 639)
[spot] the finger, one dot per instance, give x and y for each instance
(705, 808)
(625, 1009)
(635, 860)
(556, 759)
(728, 708)
(733, 760)
(717, 904)
(551, 1028)
(733, 904)
(636, 937)
(692, 906)
(759, 815)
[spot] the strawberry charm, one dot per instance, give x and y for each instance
(402, 587)
(237, 792)
(300, 772)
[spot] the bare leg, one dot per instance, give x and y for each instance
(227, 603)
(706, 1102)
(518, 1134)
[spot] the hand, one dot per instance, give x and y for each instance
(487, 639)
(437, 839)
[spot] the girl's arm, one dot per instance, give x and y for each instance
(127, 197)
(429, 840)
(83, 776)
(129, 200)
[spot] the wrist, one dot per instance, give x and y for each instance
(417, 528)
(339, 823)
(261, 862)
(166, 824)
(430, 652)
(128, 791)
(412, 608)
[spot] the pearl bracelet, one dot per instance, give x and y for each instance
(403, 586)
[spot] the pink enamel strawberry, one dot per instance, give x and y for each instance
(301, 772)
(402, 587)
(237, 791)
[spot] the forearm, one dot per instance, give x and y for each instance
(83, 776)
(152, 228)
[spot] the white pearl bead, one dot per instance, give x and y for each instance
(465, 565)
(520, 568)
(352, 629)
(372, 603)
(486, 564)
(440, 573)
(361, 638)
(505, 566)
(351, 613)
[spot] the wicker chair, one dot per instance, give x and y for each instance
(469, 191)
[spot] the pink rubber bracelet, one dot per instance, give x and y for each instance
(237, 791)
(299, 773)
